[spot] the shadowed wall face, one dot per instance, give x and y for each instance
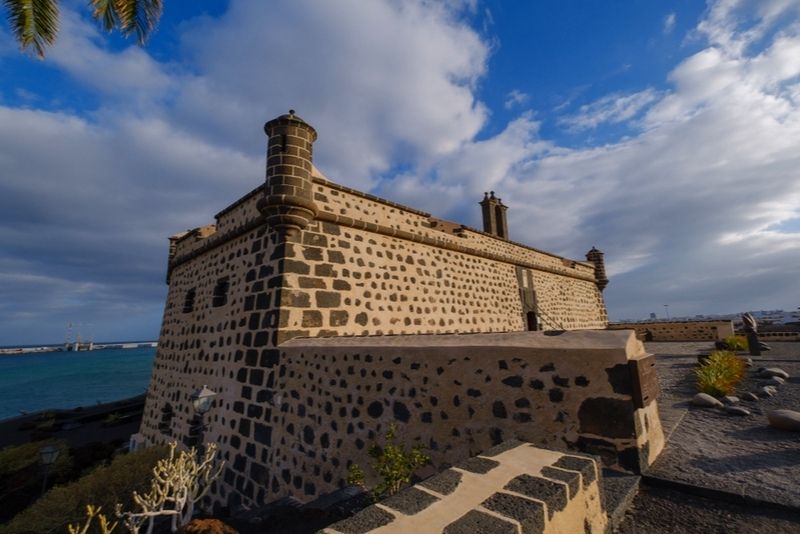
(457, 396)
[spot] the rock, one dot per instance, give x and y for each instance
(705, 400)
(737, 410)
(784, 420)
(773, 371)
(752, 397)
(764, 346)
(206, 526)
(767, 391)
(775, 381)
(748, 362)
(730, 399)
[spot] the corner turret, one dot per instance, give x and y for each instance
(288, 201)
(596, 257)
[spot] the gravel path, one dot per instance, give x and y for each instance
(712, 449)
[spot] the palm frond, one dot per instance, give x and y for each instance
(34, 23)
(138, 16)
(105, 11)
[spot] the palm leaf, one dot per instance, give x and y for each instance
(105, 11)
(138, 16)
(33, 22)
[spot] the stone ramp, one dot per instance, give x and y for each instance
(512, 488)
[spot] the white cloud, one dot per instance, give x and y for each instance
(669, 23)
(685, 210)
(614, 108)
(515, 98)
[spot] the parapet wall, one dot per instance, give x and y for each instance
(514, 487)
(457, 395)
(678, 330)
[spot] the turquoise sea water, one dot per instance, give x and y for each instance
(33, 382)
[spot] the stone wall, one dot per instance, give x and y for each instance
(678, 330)
(456, 395)
(514, 487)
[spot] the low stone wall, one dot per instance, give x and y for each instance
(779, 336)
(457, 395)
(678, 330)
(514, 487)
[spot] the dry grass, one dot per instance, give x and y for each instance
(720, 373)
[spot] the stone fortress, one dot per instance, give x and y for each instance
(320, 314)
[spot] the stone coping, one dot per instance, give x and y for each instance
(554, 340)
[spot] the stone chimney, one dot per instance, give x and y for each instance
(596, 257)
(494, 215)
(288, 202)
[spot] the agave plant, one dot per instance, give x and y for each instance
(34, 23)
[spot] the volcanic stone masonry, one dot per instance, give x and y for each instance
(301, 256)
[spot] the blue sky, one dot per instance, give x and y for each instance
(664, 133)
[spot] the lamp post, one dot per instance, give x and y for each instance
(49, 455)
(202, 400)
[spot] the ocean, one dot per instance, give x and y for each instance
(33, 382)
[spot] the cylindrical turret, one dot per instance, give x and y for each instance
(288, 202)
(596, 257)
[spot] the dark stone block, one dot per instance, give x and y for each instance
(499, 410)
(323, 269)
(328, 299)
(311, 319)
(258, 473)
(341, 285)
(401, 413)
(308, 435)
(244, 428)
(581, 381)
(375, 409)
(607, 417)
(536, 384)
(522, 402)
(262, 301)
(306, 282)
(473, 392)
(296, 267)
(317, 240)
(262, 434)
(312, 253)
(361, 319)
(620, 379)
(364, 521)
(555, 395)
(410, 501)
(563, 382)
(426, 417)
(530, 514)
(335, 256)
(475, 522)
(270, 357)
(513, 381)
(547, 368)
(261, 339)
(584, 466)
(295, 299)
(572, 478)
(522, 417)
(251, 358)
(444, 483)
(554, 494)
(339, 317)
(477, 465)
(330, 229)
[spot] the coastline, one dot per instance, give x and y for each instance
(39, 349)
(110, 421)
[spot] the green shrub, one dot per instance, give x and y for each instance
(392, 463)
(104, 486)
(21, 474)
(736, 343)
(720, 373)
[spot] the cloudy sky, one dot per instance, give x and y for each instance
(667, 134)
